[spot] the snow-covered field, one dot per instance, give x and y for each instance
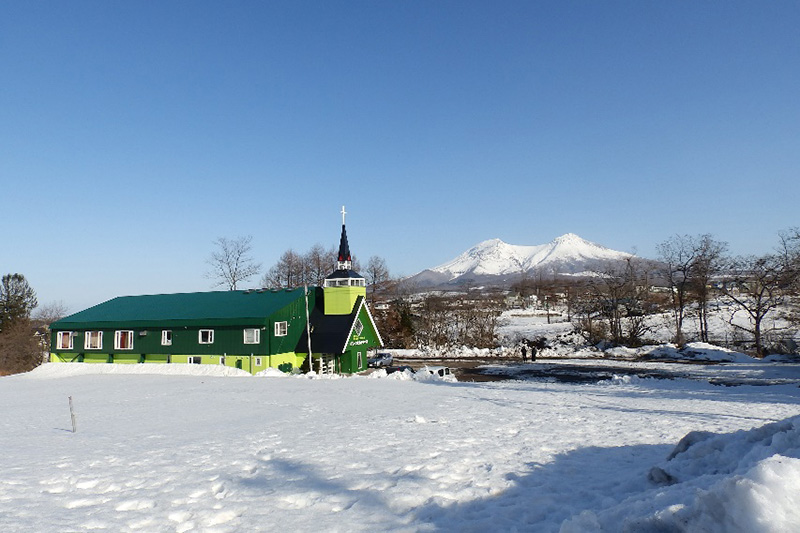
(186, 448)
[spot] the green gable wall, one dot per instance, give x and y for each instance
(367, 340)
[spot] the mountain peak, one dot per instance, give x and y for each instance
(567, 254)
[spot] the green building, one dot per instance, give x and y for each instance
(253, 329)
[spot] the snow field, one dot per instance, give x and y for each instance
(171, 452)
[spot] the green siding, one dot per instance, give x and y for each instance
(340, 300)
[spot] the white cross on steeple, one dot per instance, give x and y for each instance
(343, 214)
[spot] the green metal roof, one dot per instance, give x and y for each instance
(219, 308)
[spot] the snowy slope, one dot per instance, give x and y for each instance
(179, 452)
(568, 254)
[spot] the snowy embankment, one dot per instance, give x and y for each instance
(178, 451)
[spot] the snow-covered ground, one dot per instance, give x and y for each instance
(186, 448)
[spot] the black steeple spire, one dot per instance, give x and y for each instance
(344, 261)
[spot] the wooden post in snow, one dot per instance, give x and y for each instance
(72, 416)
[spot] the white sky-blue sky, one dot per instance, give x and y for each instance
(132, 134)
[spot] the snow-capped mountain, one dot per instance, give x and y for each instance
(497, 261)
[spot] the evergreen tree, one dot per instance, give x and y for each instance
(17, 300)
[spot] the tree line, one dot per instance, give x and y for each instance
(231, 264)
(757, 296)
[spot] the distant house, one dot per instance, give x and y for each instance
(252, 329)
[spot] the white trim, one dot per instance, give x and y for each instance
(210, 336)
(60, 340)
(281, 328)
(256, 335)
(194, 360)
(258, 361)
(119, 334)
(87, 336)
(164, 340)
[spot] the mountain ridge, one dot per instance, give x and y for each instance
(494, 261)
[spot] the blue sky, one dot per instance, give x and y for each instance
(133, 134)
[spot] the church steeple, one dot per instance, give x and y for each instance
(343, 286)
(344, 260)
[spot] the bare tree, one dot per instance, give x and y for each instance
(678, 254)
(757, 285)
(288, 272)
(49, 313)
(231, 262)
(319, 263)
(46, 315)
(708, 263)
(620, 294)
(377, 275)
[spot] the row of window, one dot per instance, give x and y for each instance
(123, 339)
(196, 360)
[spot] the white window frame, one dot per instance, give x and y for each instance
(210, 336)
(119, 334)
(194, 360)
(258, 361)
(256, 335)
(281, 328)
(358, 328)
(359, 360)
(166, 337)
(222, 360)
(60, 340)
(87, 337)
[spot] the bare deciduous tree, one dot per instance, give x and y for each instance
(621, 294)
(49, 313)
(708, 262)
(376, 274)
(319, 262)
(678, 254)
(690, 263)
(757, 285)
(46, 315)
(288, 272)
(231, 262)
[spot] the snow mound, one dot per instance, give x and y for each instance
(62, 370)
(742, 481)
(271, 373)
(709, 352)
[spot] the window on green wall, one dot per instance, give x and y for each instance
(123, 340)
(258, 361)
(93, 340)
(64, 340)
(252, 336)
(205, 336)
(166, 337)
(281, 328)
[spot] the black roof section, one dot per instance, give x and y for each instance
(341, 274)
(344, 247)
(329, 333)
